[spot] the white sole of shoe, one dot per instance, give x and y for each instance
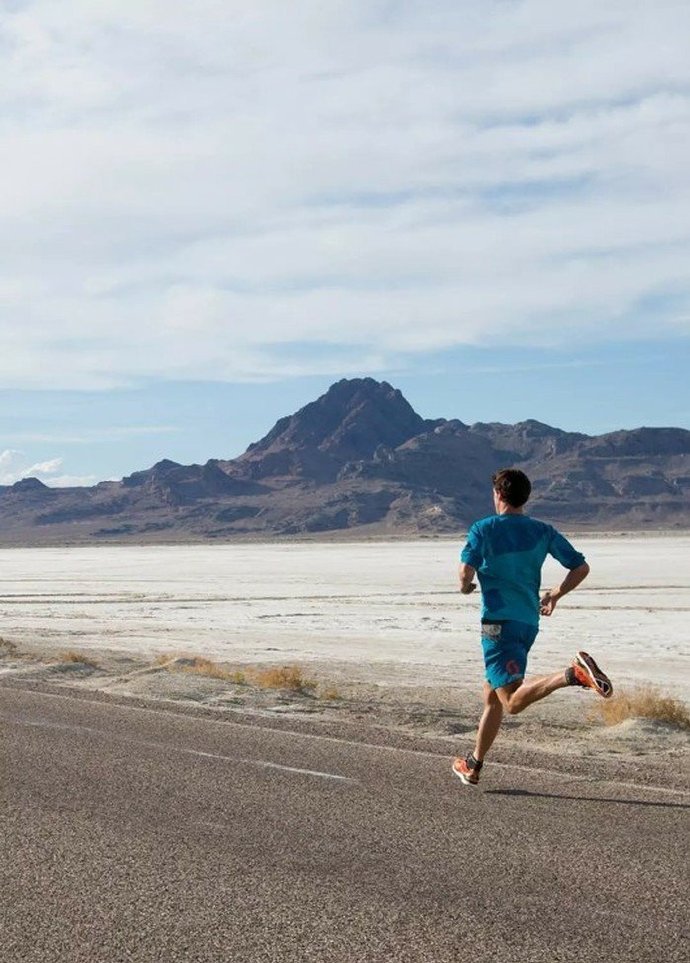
(463, 778)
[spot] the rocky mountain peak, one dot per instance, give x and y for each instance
(349, 422)
(29, 485)
(158, 471)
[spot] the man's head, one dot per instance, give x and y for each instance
(512, 487)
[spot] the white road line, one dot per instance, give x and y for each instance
(259, 763)
(639, 787)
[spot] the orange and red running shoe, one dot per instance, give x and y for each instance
(467, 772)
(587, 673)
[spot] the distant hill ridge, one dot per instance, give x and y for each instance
(359, 457)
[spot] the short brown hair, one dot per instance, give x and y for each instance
(512, 485)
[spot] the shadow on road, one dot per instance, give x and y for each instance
(553, 795)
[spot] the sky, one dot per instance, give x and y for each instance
(212, 211)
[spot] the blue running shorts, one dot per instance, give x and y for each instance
(505, 645)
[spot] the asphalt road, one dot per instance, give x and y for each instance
(145, 835)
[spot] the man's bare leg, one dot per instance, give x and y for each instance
(518, 695)
(489, 724)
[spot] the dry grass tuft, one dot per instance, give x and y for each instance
(211, 670)
(331, 694)
(8, 648)
(163, 660)
(77, 657)
(643, 702)
(288, 677)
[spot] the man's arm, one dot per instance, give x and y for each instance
(470, 559)
(466, 573)
(571, 581)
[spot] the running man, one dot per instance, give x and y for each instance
(507, 551)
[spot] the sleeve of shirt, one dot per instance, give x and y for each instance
(471, 553)
(563, 551)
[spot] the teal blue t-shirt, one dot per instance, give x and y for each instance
(508, 552)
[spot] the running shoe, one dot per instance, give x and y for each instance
(588, 674)
(468, 775)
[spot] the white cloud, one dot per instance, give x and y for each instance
(250, 191)
(7, 459)
(44, 467)
(14, 466)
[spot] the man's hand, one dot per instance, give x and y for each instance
(548, 603)
(571, 581)
(466, 574)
